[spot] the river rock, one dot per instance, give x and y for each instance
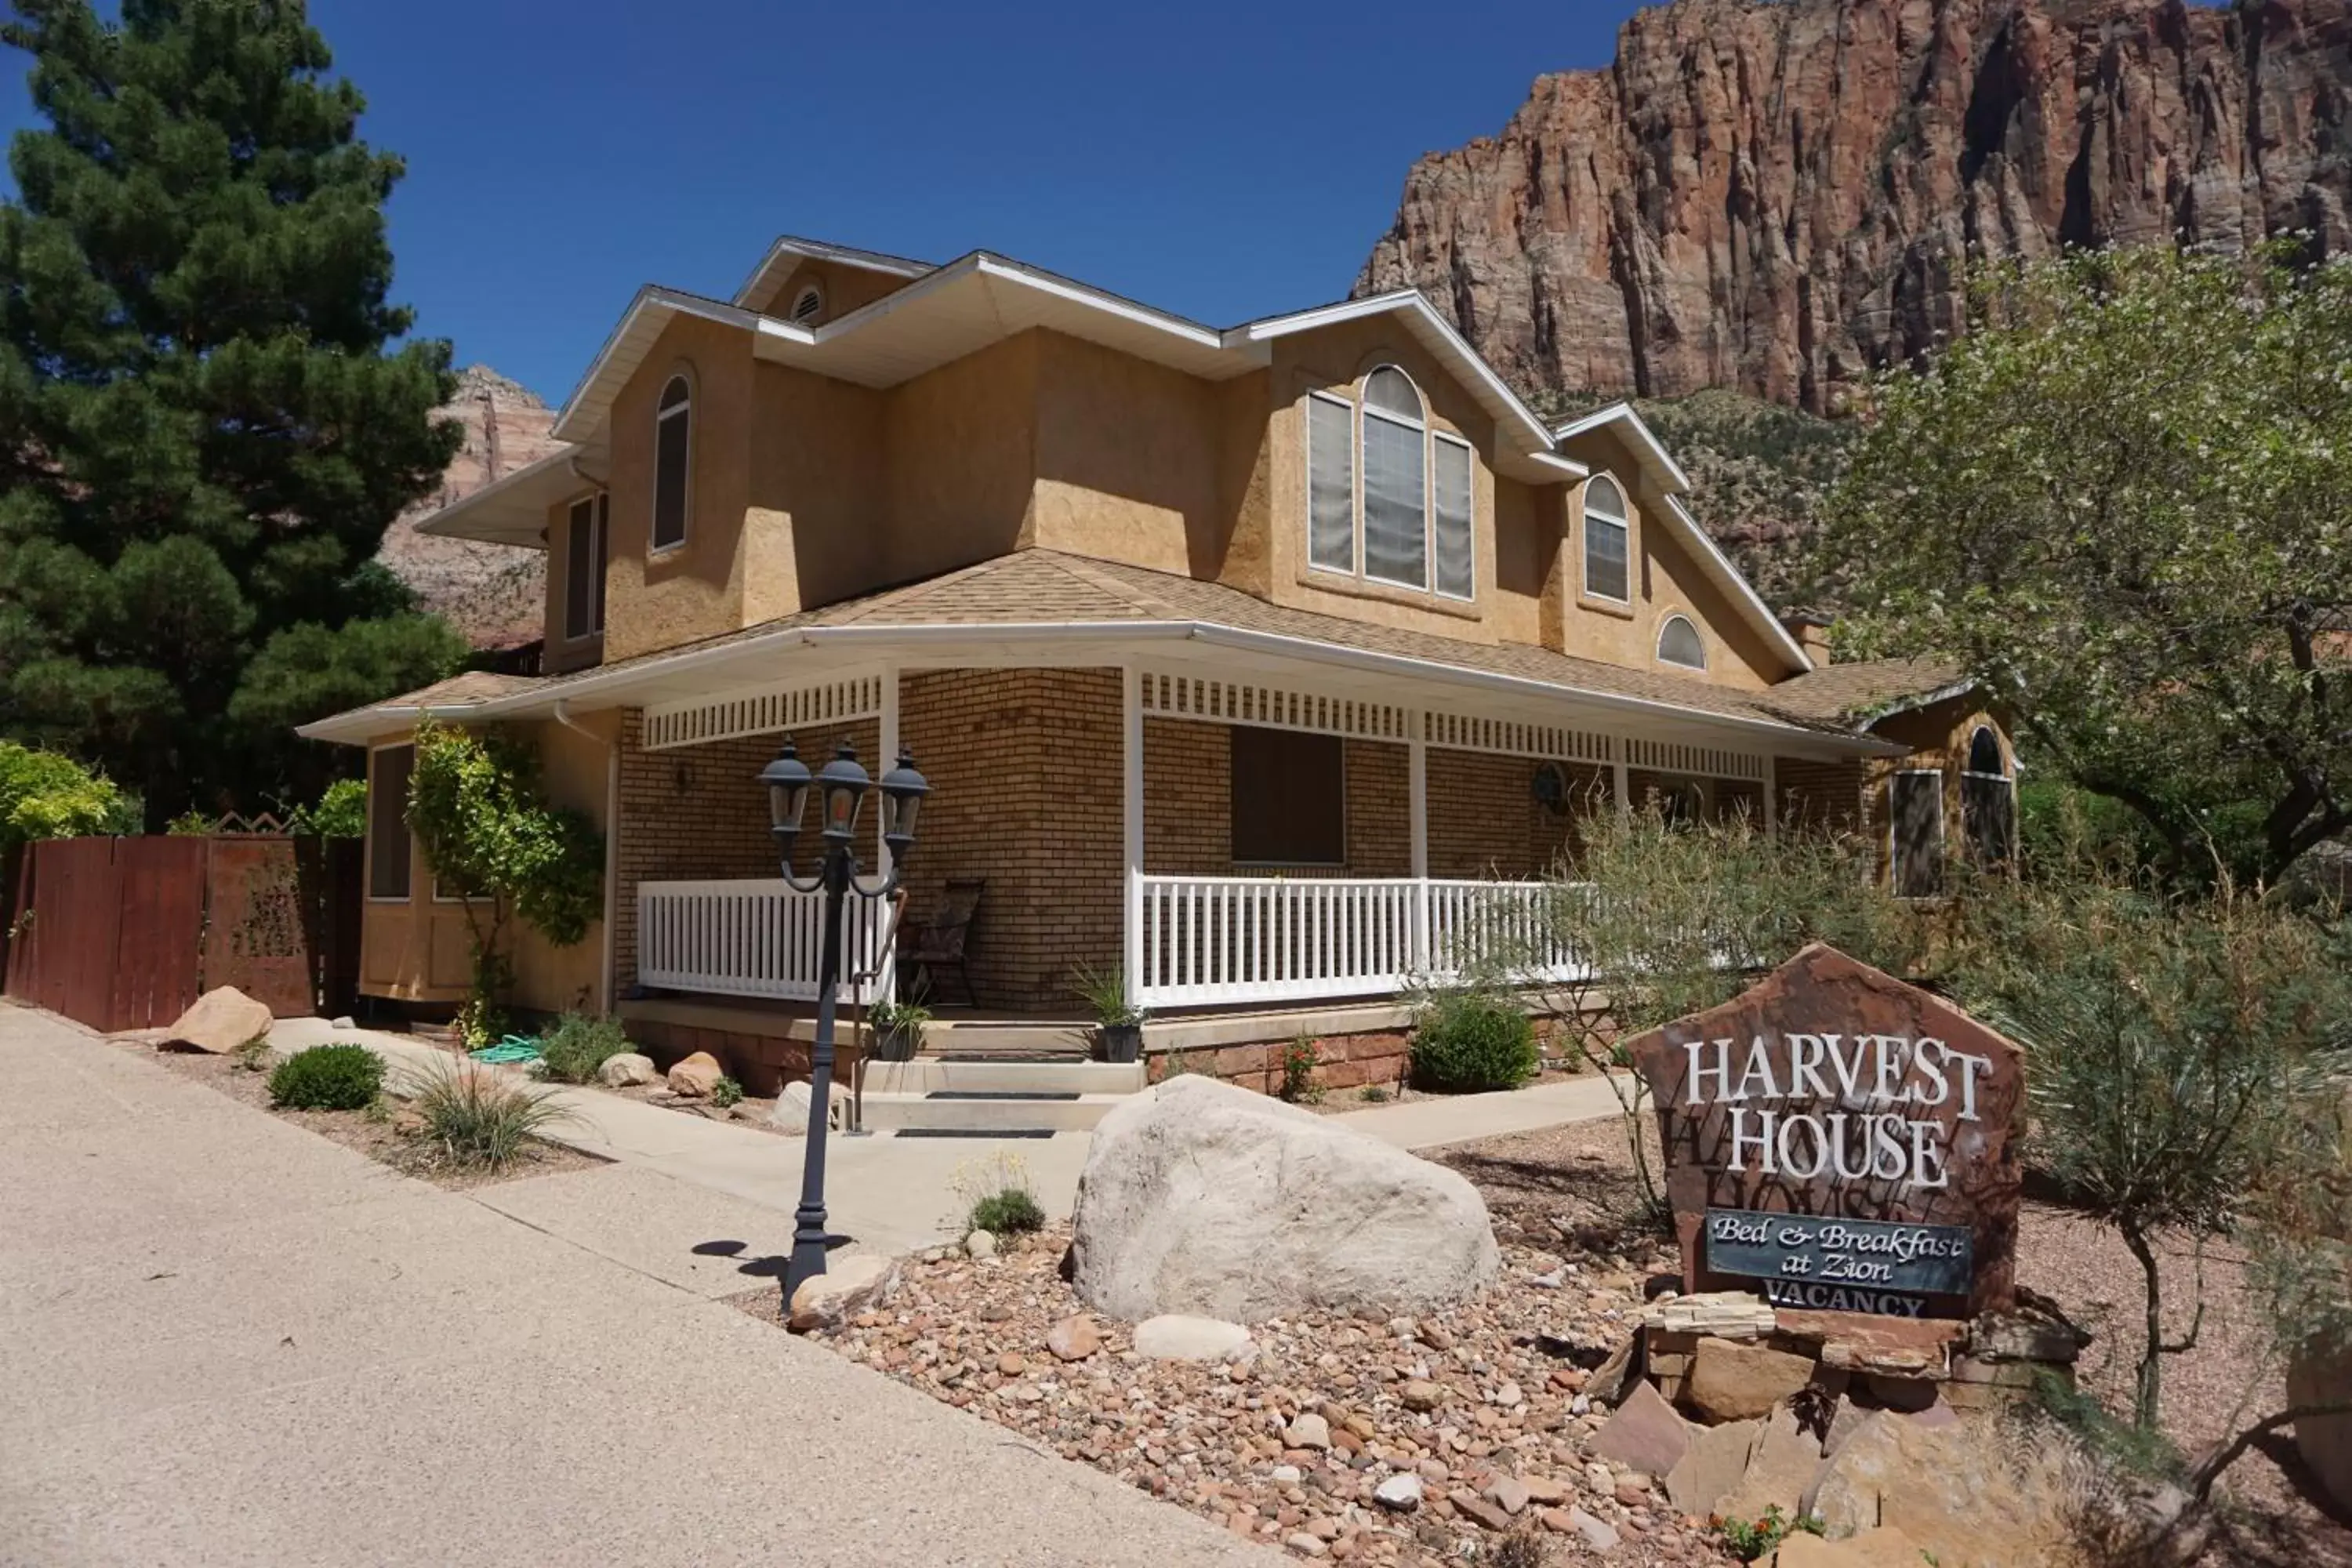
(1199, 1198)
(1176, 1336)
(696, 1076)
(218, 1022)
(627, 1070)
(1730, 1382)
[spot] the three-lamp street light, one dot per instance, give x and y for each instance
(842, 786)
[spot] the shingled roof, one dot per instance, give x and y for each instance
(1032, 587)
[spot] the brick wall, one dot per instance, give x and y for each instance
(1188, 804)
(1485, 819)
(1818, 794)
(1027, 795)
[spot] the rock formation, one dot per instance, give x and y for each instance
(494, 593)
(1779, 195)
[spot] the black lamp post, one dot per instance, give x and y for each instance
(843, 784)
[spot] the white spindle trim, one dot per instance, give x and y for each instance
(694, 721)
(750, 937)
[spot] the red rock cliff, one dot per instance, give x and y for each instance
(1777, 196)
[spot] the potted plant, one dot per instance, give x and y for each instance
(1118, 1023)
(897, 1030)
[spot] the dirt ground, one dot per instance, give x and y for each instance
(373, 1132)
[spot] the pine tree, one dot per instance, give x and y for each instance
(203, 429)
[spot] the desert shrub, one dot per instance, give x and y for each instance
(1523, 1547)
(577, 1045)
(1373, 1093)
(726, 1092)
(1750, 1541)
(327, 1077)
(253, 1055)
(1011, 1212)
(1299, 1060)
(1466, 1041)
(477, 1118)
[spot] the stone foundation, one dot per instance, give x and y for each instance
(763, 1064)
(1343, 1061)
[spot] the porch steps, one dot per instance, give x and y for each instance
(941, 1097)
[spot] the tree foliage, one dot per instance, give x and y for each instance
(2124, 499)
(487, 829)
(202, 435)
(45, 795)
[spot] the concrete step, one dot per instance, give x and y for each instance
(1069, 1114)
(933, 1075)
(943, 1036)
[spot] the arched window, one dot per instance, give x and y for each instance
(1989, 799)
(1679, 643)
(1413, 524)
(1605, 533)
(1396, 480)
(673, 452)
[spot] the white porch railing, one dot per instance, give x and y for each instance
(752, 938)
(1264, 939)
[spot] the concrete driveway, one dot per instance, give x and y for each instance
(224, 1340)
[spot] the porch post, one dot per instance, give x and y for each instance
(886, 983)
(1416, 748)
(1131, 813)
(1624, 776)
(1771, 806)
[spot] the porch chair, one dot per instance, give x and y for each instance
(943, 938)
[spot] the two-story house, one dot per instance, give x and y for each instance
(1254, 663)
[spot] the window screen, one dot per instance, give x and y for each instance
(1289, 798)
(1604, 541)
(580, 568)
(388, 822)
(1396, 525)
(1451, 490)
(1917, 800)
(672, 437)
(1678, 643)
(1331, 484)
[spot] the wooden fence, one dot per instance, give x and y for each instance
(123, 933)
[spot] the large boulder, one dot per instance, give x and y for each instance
(696, 1076)
(220, 1021)
(1204, 1198)
(1966, 1491)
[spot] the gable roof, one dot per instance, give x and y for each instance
(1042, 596)
(1856, 696)
(947, 311)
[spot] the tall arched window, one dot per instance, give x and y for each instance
(673, 454)
(1679, 643)
(1606, 529)
(1989, 799)
(1389, 496)
(1396, 480)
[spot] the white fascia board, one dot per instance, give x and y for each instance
(1719, 566)
(363, 725)
(652, 304)
(448, 522)
(1793, 736)
(1566, 466)
(1109, 304)
(1410, 300)
(1645, 440)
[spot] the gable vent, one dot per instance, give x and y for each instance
(806, 304)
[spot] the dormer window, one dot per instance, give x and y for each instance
(1680, 644)
(672, 451)
(1606, 529)
(1409, 523)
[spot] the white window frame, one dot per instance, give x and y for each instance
(1355, 567)
(654, 546)
(1622, 520)
(407, 834)
(1470, 463)
(1667, 624)
(1365, 415)
(1895, 841)
(2007, 777)
(598, 503)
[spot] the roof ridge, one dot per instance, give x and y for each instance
(906, 593)
(1090, 571)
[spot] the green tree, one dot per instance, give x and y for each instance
(203, 432)
(2124, 499)
(45, 795)
(475, 806)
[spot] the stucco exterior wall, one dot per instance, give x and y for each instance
(420, 949)
(1127, 463)
(959, 462)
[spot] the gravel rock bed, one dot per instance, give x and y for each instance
(1481, 1402)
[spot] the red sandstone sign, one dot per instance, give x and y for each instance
(1838, 1140)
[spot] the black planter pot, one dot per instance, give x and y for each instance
(1118, 1042)
(897, 1043)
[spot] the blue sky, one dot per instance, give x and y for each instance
(1221, 160)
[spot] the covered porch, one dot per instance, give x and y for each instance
(1229, 829)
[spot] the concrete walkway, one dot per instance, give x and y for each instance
(897, 1194)
(226, 1341)
(1459, 1118)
